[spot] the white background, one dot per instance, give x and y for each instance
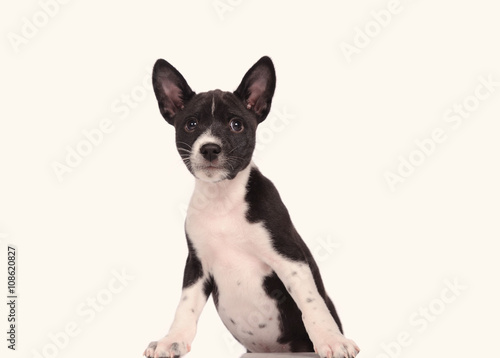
(350, 122)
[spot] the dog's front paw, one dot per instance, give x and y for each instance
(336, 346)
(167, 347)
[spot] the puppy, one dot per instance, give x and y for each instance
(243, 248)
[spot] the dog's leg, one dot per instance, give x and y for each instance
(197, 286)
(319, 323)
(181, 334)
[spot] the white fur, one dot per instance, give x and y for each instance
(199, 164)
(213, 105)
(229, 247)
(181, 334)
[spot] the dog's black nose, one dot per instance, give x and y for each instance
(210, 151)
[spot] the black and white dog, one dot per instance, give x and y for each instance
(243, 247)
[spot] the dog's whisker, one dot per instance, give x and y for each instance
(186, 144)
(184, 150)
(232, 150)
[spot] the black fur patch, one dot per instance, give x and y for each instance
(211, 287)
(286, 240)
(193, 270)
(273, 213)
(291, 325)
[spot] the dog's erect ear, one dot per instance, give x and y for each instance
(171, 89)
(257, 88)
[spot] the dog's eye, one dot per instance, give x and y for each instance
(236, 125)
(191, 124)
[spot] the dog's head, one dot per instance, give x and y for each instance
(215, 130)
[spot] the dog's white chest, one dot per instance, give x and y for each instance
(232, 250)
